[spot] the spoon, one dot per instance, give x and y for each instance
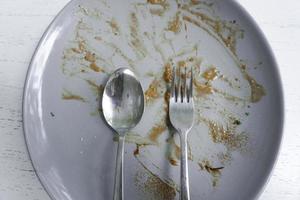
(123, 107)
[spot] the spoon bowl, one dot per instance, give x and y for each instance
(123, 101)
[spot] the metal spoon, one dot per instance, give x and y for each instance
(123, 107)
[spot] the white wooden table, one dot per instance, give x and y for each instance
(22, 23)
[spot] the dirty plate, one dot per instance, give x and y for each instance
(239, 105)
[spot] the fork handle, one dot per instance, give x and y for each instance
(184, 170)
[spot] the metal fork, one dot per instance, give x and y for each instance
(181, 113)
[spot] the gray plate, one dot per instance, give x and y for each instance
(238, 96)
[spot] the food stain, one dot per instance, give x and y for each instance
(181, 64)
(168, 73)
(160, 2)
(90, 57)
(215, 172)
(225, 158)
(175, 24)
(210, 74)
(156, 131)
(97, 88)
(114, 26)
(173, 154)
(227, 136)
(136, 152)
(80, 49)
(136, 41)
(158, 12)
(203, 89)
(229, 33)
(233, 84)
(95, 67)
(152, 187)
(257, 90)
(152, 92)
(195, 2)
(67, 95)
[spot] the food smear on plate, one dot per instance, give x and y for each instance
(152, 38)
(175, 24)
(151, 185)
(67, 95)
(257, 90)
(215, 172)
(210, 74)
(156, 131)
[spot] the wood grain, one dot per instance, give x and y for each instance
(22, 24)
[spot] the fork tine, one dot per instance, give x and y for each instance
(182, 84)
(191, 85)
(185, 93)
(173, 86)
(179, 89)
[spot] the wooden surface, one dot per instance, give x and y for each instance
(22, 24)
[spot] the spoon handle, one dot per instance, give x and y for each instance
(184, 173)
(119, 180)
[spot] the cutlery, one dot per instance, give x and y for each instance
(181, 113)
(123, 107)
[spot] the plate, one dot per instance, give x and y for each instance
(239, 105)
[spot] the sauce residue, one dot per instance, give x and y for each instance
(90, 57)
(152, 186)
(203, 89)
(160, 2)
(227, 136)
(228, 32)
(174, 152)
(152, 92)
(67, 95)
(95, 67)
(210, 74)
(114, 26)
(175, 24)
(168, 73)
(215, 172)
(136, 40)
(257, 90)
(97, 88)
(156, 131)
(158, 12)
(136, 152)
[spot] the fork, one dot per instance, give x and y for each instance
(181, 114)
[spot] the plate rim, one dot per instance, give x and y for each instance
(25, 92)
(281, 107)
